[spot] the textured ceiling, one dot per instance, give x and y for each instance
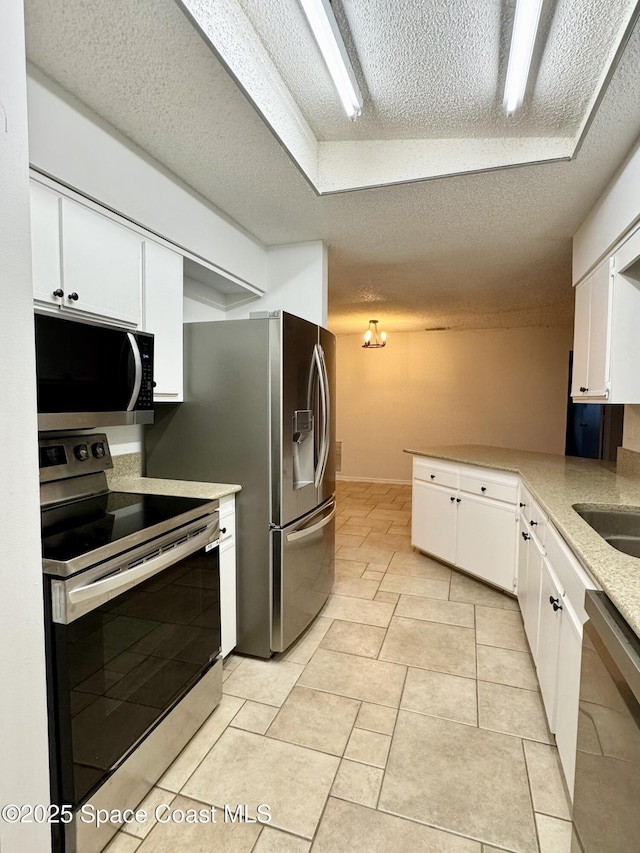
(475, 251)
(433, 75)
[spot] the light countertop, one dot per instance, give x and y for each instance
(126, 476)
(557, 483)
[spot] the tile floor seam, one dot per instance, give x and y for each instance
(447, 830)
(530, 785)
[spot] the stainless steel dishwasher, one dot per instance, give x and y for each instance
(606, 802)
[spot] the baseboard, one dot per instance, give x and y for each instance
(343, 478)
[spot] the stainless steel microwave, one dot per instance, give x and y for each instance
(91, 375)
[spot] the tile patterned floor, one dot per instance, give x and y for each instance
(407, 718)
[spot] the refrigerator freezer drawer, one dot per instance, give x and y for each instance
(303, 571)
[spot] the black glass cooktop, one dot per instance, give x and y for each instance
(78, 527)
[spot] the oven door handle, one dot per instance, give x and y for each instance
(71, 604)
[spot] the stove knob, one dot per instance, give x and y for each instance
(98, 449)
(81, 452)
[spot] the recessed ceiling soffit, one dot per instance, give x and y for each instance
(432, 74)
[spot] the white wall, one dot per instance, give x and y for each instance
(297, 282)
(73, 145)
(506, 388)
(23, 719)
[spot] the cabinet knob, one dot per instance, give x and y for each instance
(58, 292)
(583, 389)
(522, 506)
(433, 476)
(458, 500)
(452, 498)
(533, 523)
(526, 536)
(223, 530)
(483, 488)
(73, 296)
(554, 603)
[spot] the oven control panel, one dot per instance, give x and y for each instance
(64, 456)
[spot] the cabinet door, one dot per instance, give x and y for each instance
(529, 577)
(101, 265)
(228, 605)
(45, 244)
(548, 640)
(580, 376)
(433, 520)
(599, 324)
(486, 542)
(568, 692)
(163, 315)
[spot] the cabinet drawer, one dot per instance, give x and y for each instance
(489, 486)
(227, 506)
(573, 578)
(438, 472)
(536, 520)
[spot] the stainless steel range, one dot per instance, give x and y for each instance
(132, 608)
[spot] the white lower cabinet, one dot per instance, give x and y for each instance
(551, 606)
(228, 573)
(471, 520)
(568, 691)
(433, 520)
(456, 521)
(529, 579)
(486, 538)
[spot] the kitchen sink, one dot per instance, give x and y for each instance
(619, 527)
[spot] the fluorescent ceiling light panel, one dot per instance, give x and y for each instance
(325, 29)
(525, 28)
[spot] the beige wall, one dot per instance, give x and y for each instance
(505, 388)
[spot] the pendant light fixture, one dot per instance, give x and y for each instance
(373, 338)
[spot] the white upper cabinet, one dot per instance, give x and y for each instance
(83, 262)
(101, 265)
(606, 344)
(45, 245)
(163, 310)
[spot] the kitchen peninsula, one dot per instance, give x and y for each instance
(559, 483)
(511, 517)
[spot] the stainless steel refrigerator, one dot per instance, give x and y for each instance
(259, 411)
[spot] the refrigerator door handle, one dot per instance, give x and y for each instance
(308, 531)
(317, 358)
(326, 426)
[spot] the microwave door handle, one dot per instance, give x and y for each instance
(137, 381)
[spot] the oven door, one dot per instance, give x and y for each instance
(123, 655)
